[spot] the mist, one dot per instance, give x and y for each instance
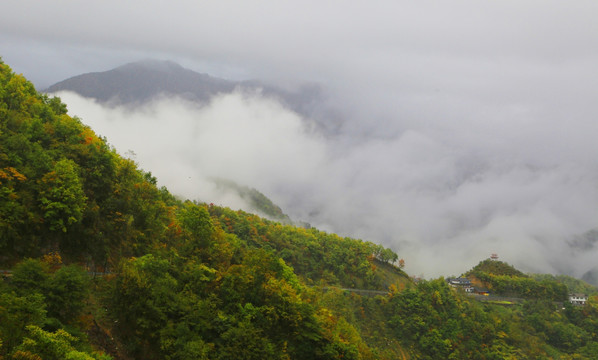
(460, 128)
(443, 200)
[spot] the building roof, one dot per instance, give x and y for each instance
(578, 295)
(460, 281)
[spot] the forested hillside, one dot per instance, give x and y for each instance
(503, 279)
(104, 264)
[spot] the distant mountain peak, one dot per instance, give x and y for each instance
(137, 83)
(153, 65)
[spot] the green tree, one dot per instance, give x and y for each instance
(197, 226)
(61, 196)
(67, 290)
(15, 313)
(143, 298)
(59, 345)
(31, 275)
(246, 342)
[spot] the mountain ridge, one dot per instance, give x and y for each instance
(137, 83)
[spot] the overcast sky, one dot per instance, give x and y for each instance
(469, 126)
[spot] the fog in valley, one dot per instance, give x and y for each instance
(446, 131)
(442, 199)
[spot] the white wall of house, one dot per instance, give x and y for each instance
(576, 299)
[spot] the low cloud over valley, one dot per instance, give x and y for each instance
(442, 199)
(445, 130)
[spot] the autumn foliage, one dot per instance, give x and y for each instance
(105, 264)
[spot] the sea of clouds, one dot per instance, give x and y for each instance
(443, 195)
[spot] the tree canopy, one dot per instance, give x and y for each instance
(105, 264)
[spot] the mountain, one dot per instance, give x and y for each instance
(257, 201)
(574, 285)
(99, 263)
(503, 279)
(142, 81)
(138, 82)
(494, 267)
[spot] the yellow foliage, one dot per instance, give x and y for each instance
(17, 175)
(25, 355)
(10, 173)
(53, 259)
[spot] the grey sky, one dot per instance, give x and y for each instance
(469, 125)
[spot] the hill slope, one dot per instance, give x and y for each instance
(503, 279)
(184, 280)
(255, 199)
(106, 265)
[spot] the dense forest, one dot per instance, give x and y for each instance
(100, 263)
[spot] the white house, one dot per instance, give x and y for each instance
(578, 299)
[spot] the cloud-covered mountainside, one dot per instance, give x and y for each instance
(135, 84)
(100, 263)
(444, 193)
(139, 82)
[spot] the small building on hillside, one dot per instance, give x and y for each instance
(459, 282)
(578, 299)
(481, 291)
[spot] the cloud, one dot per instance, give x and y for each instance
(241, 136)
(468, 127)
(442, 199)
